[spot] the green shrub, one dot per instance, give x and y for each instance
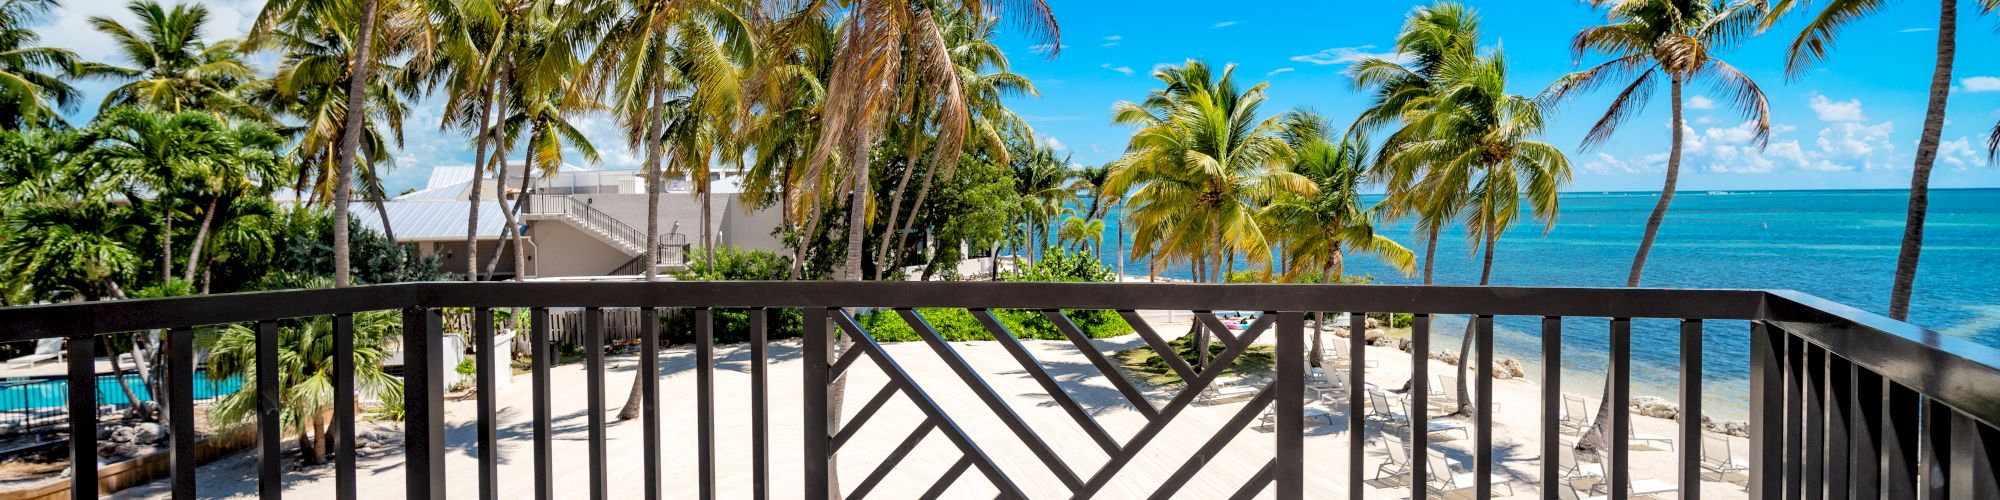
(959, 324)
(733, 325)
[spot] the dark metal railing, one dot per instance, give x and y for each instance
(31, 404)
(1842, 402)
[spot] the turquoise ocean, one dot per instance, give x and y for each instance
(1839, 245)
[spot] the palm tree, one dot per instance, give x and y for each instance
(1993, 144)
(1041, 183)
(250, 155)
(787, 86)
(1677, 40)
(1319, 229)
(1815, 43)
(1430, 36)
(158, 153)
(305, 371)
(170, 68)
(1470, 136)
(30, 94)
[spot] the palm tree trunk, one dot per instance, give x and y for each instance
(382, 211)
(857, 213)
(707, 231)
(655, 126)
(1465, 344)
(478, 181)
(350, 140)
(1666, 193)
(500, 146)
(1430, 251)
(514, 226)
(200, 239)
(167, 239)
(1920, 175)
(118, 374)
(896, 206)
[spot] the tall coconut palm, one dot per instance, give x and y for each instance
(168, 66)
(1470, 136)
(788, 90)
(33, 88)
(1815, 43)
(154, 156)
(1319, 229)
(1398, 85)
(249, 158)
(1652, 39)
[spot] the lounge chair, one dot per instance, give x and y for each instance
(1442, 479)
(45, 349)
(1398, 463)
(1270, 418)
(1632, 435)
(1568, 468)
(1381, 410)
(1575, 419)
(1716, 457)
(1637, 488)
(1221, 392)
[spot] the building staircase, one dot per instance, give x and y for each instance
(631, 241)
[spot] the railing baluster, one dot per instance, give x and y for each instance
(270, 468)
(542, 358)
(1357, 397)
(1617, 469)
(649, 398)
(593, 350)
(1420, 405)
(1973, 446)
(1482, 444)
(1689, 440)
(1839, 399)
(817, 438)
(423, 403)
(180, 409)
(760, 435)
(83, 416)
(344, 475)
(1864, 461)
(993, 400)
(889, 463)
(1901, 426)
(704, 380)
(489, 445)
(1815, 426)
(1767, 431)
(1934, 451)
(1551, 407)
(1290, 388)
(1794, 417)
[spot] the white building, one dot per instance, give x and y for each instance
(577, 222)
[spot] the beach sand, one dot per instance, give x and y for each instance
(1326, 446)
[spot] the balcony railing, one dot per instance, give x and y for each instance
(1841, 402)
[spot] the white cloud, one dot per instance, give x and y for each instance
(1278, 71)
(1097, 149)
(1223, 24)
(1121, 69)
(1831, 111)
(1857, 140)
(1055, 144)
(1044, 47)
(1916, 30)
(1980, 83)
(1960, 154)
(1114, 38)
(1700, 102)
(1345, 55)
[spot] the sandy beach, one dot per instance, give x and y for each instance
(1326, 441)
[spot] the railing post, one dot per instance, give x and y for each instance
(343, 407)
(1419, 410)
(1357, 427)
(1290, 388)
(1901, 422)
(486, 410)
(543, 358)
(270, 471)
(760, 419)
(180, 409)
(1618, 468)
(649, 399)
(83, 417)
(1689, 437)
(1482, 412)
(1551, 406)
(1767, 411)
(423, 403)
(704, 374)
(818, 436)
(593, 357)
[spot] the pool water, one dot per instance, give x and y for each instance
(54, 391)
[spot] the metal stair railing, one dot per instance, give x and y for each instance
(585, 215)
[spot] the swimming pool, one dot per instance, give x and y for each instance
(36, 393)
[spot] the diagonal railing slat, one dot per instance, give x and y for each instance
(993, 401)
(1221, 438)
(868, 410)
(1174, 407)
(930, 408)
(1104, 366)
(1214, 325)
(1160, 345)
(945, 481)
(889, 463)
(1257, 483)
(1041, 375)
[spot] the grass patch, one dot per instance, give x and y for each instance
(1147, 362)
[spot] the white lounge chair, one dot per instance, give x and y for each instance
(1570, 469)
(1637, 488)
(1575, 419)
(1220, 392)
(1398, 463)
(1270, 418)
(1442, 479)
(1381, 410)
(1716, 457)
(1632, 435)
(45, 350)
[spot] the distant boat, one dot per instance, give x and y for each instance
(1718, 193)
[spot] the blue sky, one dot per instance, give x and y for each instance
(1851, 122)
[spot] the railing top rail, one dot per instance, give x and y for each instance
(1954, 370)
